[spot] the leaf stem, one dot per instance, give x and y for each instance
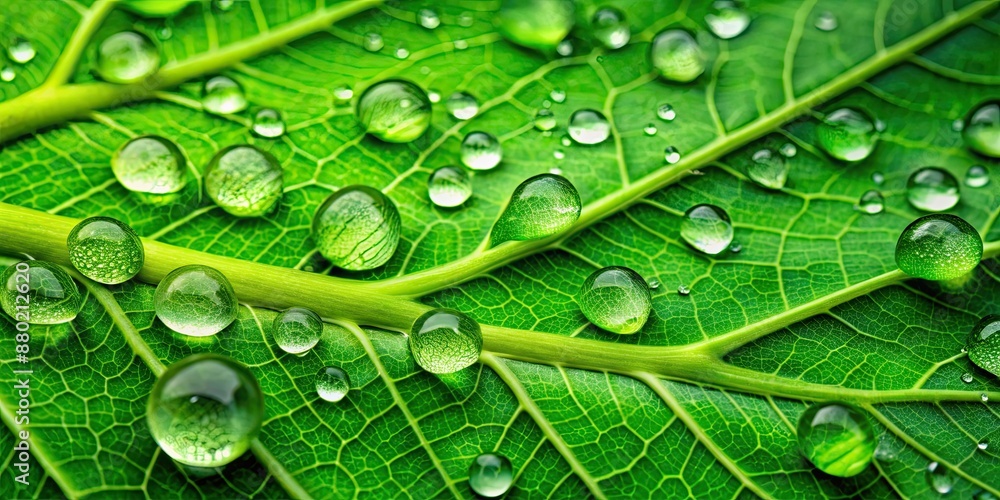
(70, 57)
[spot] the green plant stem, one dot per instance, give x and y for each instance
(70, 57)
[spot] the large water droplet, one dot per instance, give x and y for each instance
(707, 228)
(462, 105)
(449, 187)
(195, 300)
(938, 247)
(149, 164)
(445, 341)
(616, 299)
(480, 151)
(394, 111)
(52, 296)
(847, 134)
(932, 189)
(357, 228)
(332, 384)
(726, 19)
(677, 56)
(611, 28)
(545, 120)
(837, 438)
(222, 95)
(589, 126)
(537, 24)
(244, 180)
(826, 21)
(127, 57)
(428, 19)
(490, 475)
(297, 329)
(977, 176)
(666, 112)
(268, 123)
(105, 250)
(768, 169)
(21, 51)
(982, 129)
(541, 206)
(871, 202)
(939, 478)
(205, 410)
(373, 42)
(983, 344)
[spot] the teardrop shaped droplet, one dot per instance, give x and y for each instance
(105, 250)
(296, 330)
(149, 164)
(666, 112)
(982, 129)
(449, 187)
(127, 57)
(536, 24)
(480, 151)
(938, 247)
(939, 478)
(610, 28)
(932, 189)
(268, 123)
(541, 206)
(445, 341)
(244, 180)
(616, 299)
(394, 111)
(462, 106)
(726, 19)
(983, 344)
(51, 295)
(977, 176)
(826, 21)
(676, 55)
(707, 228)
(21, 51)
(222, 95)
(649, 129)
(545, 120)
(837, 438)
(671, 155)
(195, 300)
(847, 134)
(490, 475)
(332, 384)
(428, 19)
(373, 42)
(357, 228)
(589, 126)
(983, 444)
(205, 410)
(871, 202)
(768, 169)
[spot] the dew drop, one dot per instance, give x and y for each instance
(536, 24)
(222, 96)
(847, 134)
(671, 155)
(357, 228)
(611, 28)
(52, 295)
(932, 189)
(957, 125)
(977, 176)
(558, 95)
(545, 120)
(127, 57)
(683, 290)
(727, 19)
(837, 438)
(983, 344)
(982, 129)
(938, 247)
(8, 74)
(707, 228)
(555, 171)
(768, 169)
(490, 475)
(461, 44)
(967, 378)
(480, 151)
(373, 42)
(195, 300)
(445, 341)
(885, 452)
(224, 5)
(983, 444)
(616, 299)
(105, 250)
(565, 141)
(653, 283)
(465, 19)
(343, 94)
(878, 178)
(149, 164)
(588, 126)
(565, 48)
(428, 19)
(244, 180)
(649, 129)
(666, 112)
(788, 150)
(559, 155)
(449, 187)
(296, 330)
(401, 52)
(736, 247)
(540, 206)
(394, 111)
(332, 384)
(826, 21)
(21, 51)
(677, 56)
(871, 202)
(984, 397)
(939, 478)
(462, 106)
(268, 123)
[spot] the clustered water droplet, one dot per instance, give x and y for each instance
(373, 42)
(105, 250)
(357, 228)
(541, 206)
(671, 155)
(666, 112)
(938, 247)
(871, 202)
(195, 300)
(768, 169)
(977, 176)
(268, 123)
(545, 120)
(826, 21)
(21, 51)
(616, 299)
(51, 294)
(837, 438)
(445, 341)
(939, 478)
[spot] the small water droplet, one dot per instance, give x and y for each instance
(224, 5)
(222, 95)
(343, 94)
(21, 51)
(837, 438)
(465, 19)
(983, 444)
(445, 341)
(938, 247)
(932, 189)
(545, 120)
(462, 106)
(957, 125)
(127, 57)
(611, 28)
(677, 56)
(768, 169)
(826, 21)
(401, 52)
(558, 95)
(736, 247)
(878, 178)
(244, 180)
(683, 290)
(885, 452)
(558, 154)
(394, 111)
(490, 475)
(105, 250)
(649, 129)
(707, 228)
(149, 164)
(847, 134)
(164, 33)
(296, 330)
(982, 129)
(616, 299)
(268, 123)
(727, 19)
(540, 206)
(967, 378)
(565, 141)
(939, 478)
(589, 126)
(332, 384)
(357, 228)
(7, 74)
(653, 283)
(428, 19)
(565, 48)
(449, 187)
(977, 176)
(555, 171)
(871, 202)
(666, 112)
(433, 96)
(788, 150)
(983, 344)
(671, 155)
(373, 42)
(480, 151)
(195, 300)
(461, 44)
(52, 294)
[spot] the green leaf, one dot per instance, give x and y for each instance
(702, 402)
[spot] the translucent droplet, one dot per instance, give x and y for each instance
(164, 33)
(401, 52)
(878, 178)
(649, 129)
(332, 384)
(373, 42)
(224, 5)
(788, 150)
(155, 8)
(558, 95)
(565, 141)
(677, 56)
(127, 57)
(461, 44)
(268, 123)
(195, 300)
(296, 330)
(8, 74)
(222, 96)
(480, 151)
(932, 189)
(983, 344)
(490, 475)
(559, 155)
(244, 180)
(939, 478)
(707, 228)
(671, 155)
(837, 438)
(343, 94)
(545, 120)
(983, 444)
(205, 410)
(357, 228)
(726, 19)
(565, 48)
(847, 134)
(736, 247)
(445, 341)
(683, 290)
(984, 397)
(871, 202)
(462, 106)
(977, 176)
(885, 452)
(938, 247)
(149, 164)
(611, 28)
(589, 126)
(465, 19)
(449, 187)
(967, 378)
(394, 111)
(653, 283)
(982, 129)
(957, 125)
(537, 24)
(555, 171)
(51, 296)
(826, 21)
(21, 51)
(768, 169)
(616, 299)
(540, 206)
(666, 112)
(105, 250)
(428, 19)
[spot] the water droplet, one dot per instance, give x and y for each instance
(164, 33)
(52, 295)
(589, 126)
(565, 48)
(939, 478)
(983, 344)
(938, 247)
(149, 164)
(653, 283)
(462, 106)
(565, 141)
(649, 129)
(671, 155)
(449, 187)
(373, 42)
(394, 111)
(616, 299)
(878, 178)
(244, 180)
(677, 56)
(707, 228)
(736, 247)
(977, 176)
(967, 378)
(788, 150)
(127, 57)
(555, 171)
(982, 129)
(332, 384)
(726, 19)
(20, 51)
(7, 74)
(932, 189)
(847, 134)
(666, 112)
(357, 228)
(222, 95)
(611, 28)
(984, 397)
(195, 300)
(268, 123)
(155, 8)
(871, 202)
(461, 44)
(490, 475)
(205, 410)
(983, 495)
(343, 94)
(558, 95)
(540, 206)
(401, 52)
(465, 19)
(768, 169)
(826, 21)
(683, 290)
(559, 155)
(480, 151)
(224, 5)
(445, 341)
(837, 438)
(105, 250)
(428, 19)
(545, 120)
(536, 24)
(885, 451)
(983, 444)
(957, 125)
(297, 329)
